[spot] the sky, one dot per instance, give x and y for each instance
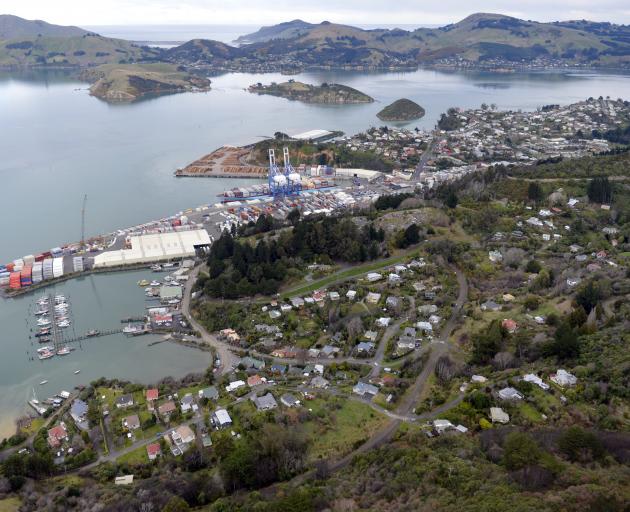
(261, 12)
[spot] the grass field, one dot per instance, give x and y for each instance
(137, 456)
(10, 504)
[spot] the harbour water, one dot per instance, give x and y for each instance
(57, 143)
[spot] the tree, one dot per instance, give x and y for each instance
(487, 344)
(520, 450)
(535, 192)
(579, 445)
(565, 344)
(294, 216)
(533, 267)
(589, 295)
(599, 190)
(451, 198)
(176, 504)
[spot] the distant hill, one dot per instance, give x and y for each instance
(12, 27)
(401, 110)
(325, 93)
(480, 39)
(286, 30)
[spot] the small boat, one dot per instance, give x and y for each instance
(155, 283)
(44, 339)
(43, 322)
(173, 301)
(63, 325)
(92, 332)
(143, 282)
(43, 382)
(44, 349)
(46, 355)
(156, 268)
(41, 312)
(76, 372)
(42, 333)
(63, 351)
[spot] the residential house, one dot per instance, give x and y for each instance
(372, 277)
(563, 378)
(435, 319)
(183, 435)
(405, 343)
(211, 393)
(274, 314)
(509, 325)
(392, 302)
(373, 298)
(330, 351)
(498, 415)
(334, 296)
(278, 369)
(319, 382)
(265, 402)
(154, 451)
(495, 256)
(510, 393)
(152, 394)
(57, 435)
(490, 305)
(288, 400)
(233, 386)
(285, 353)
(78, 412)
(425, 327)
(221, 418)
(124, 401)
(351, 294)
(297, 302)
(535, 379)
(478, 379)
(254, 380)
(365, 347)
(442, 425)
(394, 278)
(363, 388)
(166, 409)
(251, 362)
(187, 403)
(383, 322)
(131, 422)
(370, 335)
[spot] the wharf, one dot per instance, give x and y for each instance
(90, 336)
(225, 162)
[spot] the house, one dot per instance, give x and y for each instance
(166, 409)
(183, 435)
(435, 319)
(383, 321)
(319, 295)
(573, 281)
(124, 401)
(152, 394)
(319, 382)
(478, 379)
(297, 302)
(154, 451)
(254, 380)
(427, 309)
(351, 294)
(221, 418)
(490, 305)
(329, 351)
(508, 297)
(495, 256)
(419, 263)
(233, 386)
(535, 379)
(123, 480)
(400, 268)
(334, 296)
(211, 393)
(498, 415)
(313, 352)
(57, 435)
(373, 298)
(319, 368)
(251, 362)
(394, 278)
(372, 277)
(278, 368)
(370, 335)
(289, 400)
(410, 332)
(265, 402)
(274, 314)
(187, 403)
(365, 347)
(419, 286)
(563, 378)
(363, 388)
(509, 325)
(510, 394)
(78, 412)
(442, 425)
(424, 327)
(285, 353)
(285, 308)
(392, 302)
(131, 422)
(406, 343)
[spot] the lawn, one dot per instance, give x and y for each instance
(36, 424)
(137, 456)
(353, 423)
(10, 504)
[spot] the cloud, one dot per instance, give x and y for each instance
(257, 12)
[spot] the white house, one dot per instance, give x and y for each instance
(535, 379)
(563, 378)
(373, 277)
(233, 386)
(498, 415)
(510, 394)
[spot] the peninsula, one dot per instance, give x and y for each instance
(401, 110)
(307, 93)
(126, 83)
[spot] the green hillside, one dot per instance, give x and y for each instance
(12, 27)
(401, 110)
(325, 93)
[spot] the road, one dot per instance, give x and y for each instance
(228, 359)
(425, 158)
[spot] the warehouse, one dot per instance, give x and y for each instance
(156, 247)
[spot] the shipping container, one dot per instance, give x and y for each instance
(40, 257)
(29, 259)
(14, 281)
(57, 267)
(77, 263)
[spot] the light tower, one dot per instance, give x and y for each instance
(294, 180)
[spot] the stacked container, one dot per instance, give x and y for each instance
(56, 252)
(77, 263)
(18, 265)
(38, 275)
(57, 267)
(47, 269)
(4, 276)
(14, 281)
(26, 276)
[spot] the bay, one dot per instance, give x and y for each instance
(57, 143)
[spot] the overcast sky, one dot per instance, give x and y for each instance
(261, 12)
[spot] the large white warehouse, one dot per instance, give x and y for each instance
(155, 248)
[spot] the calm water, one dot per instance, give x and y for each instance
(57, 143)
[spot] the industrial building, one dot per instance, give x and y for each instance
(156, 247)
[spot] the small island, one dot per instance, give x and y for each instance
(307, 93)
(128, 83)
(401, 110)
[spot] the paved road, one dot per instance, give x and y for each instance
(228, 359)
(425, 157)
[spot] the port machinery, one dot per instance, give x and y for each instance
(286, 181)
